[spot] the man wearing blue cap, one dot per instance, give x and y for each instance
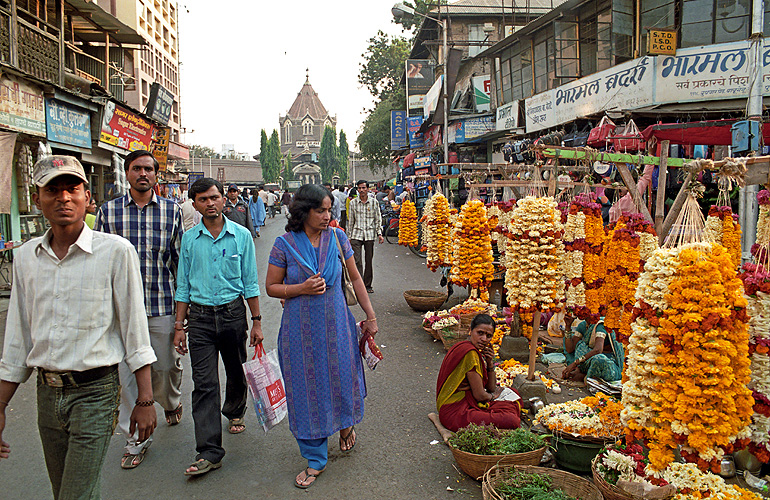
(237, 210)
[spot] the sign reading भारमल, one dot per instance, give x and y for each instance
(661, 42)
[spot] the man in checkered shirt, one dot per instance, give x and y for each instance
(154, 225)
(364, 224)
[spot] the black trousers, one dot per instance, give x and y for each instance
(365, 271)
(214, 332)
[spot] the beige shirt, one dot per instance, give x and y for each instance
(84, 311)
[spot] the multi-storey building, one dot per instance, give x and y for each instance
(158, 61)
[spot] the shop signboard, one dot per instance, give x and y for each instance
(482, 90)
(507, 116)
(661, 42)
(21, 106)
(124, 129)
(160, 140)
(159, 103)
(626, 86)
(709, 72)
(413, 124)
(470, 128)
(422, 165)
(398, 135)
(419, 78)
(67, 124)
(194, 176)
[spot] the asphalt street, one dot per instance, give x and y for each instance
(394, 457)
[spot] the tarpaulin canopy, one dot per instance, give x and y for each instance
(408, 160)
(707, 133)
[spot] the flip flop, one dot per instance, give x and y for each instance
(347, 439)
(308, 475)
(175, 416)
(203, 466)
(235, 422)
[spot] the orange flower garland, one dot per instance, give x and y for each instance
(407, 225)
(583, 264)
(436, 233)
(722, 227)
(472, 257)
(696, 332)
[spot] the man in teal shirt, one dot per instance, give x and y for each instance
(216, 272)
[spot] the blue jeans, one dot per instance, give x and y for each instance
(75, 426)
(213, 332)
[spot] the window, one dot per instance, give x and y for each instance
(307, 127)
(566, 45)
(516, 72)
(287, 132)
(656, 14)
(622, 30)
(542, 59)
(475, 34)
(715, 21)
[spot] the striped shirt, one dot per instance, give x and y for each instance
(156, 233)
(364, 219)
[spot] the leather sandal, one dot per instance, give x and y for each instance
(132, 461)
(308, 475)
(236, 422)
(202, 467)
(175, 416)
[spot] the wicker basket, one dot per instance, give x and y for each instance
(476, 465)
(466, 320)
(424, 300)
(452, 335)
(572, 485)
(610, 491)
(433, 333)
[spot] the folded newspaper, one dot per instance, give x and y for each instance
(508, 395)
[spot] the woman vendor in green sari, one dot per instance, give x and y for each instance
(592, 352)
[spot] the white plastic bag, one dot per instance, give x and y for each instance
(263, 375)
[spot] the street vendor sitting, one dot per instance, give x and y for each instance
(592, 352)
(467, 387)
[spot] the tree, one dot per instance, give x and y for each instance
(270, 158)
(262, 150)
(328, 157)
(286, 169)
(198, 151)
(383, 64)
(374, 139)
(344, 153)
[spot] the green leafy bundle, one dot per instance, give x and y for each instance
(489, 440)
(525, 486)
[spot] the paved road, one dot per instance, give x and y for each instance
(392, 460)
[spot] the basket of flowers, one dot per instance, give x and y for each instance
(581, 429)
(619, 471)
(522, 482)
(476, 448)
(434, 322)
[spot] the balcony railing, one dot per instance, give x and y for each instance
(38, 52)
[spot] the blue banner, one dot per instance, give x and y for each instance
(67, 124)
(416, 139)
(398, 137)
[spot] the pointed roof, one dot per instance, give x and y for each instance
(307, 103)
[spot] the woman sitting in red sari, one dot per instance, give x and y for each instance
(467, 386)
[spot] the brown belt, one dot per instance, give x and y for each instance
(72, 379)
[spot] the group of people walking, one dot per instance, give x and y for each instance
(105, 315)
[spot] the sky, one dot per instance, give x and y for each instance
(243, 63)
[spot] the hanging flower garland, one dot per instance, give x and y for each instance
(472, 256)
(722, 227)
(436, 232)
(691, 320)
(534, 276)
(583, 264)
(407, 225)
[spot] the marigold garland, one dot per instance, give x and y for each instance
(722, 227)
(472, 256)
(407, 225)
(436, 232)
(688, 362)
(583, 264)
(534, 276)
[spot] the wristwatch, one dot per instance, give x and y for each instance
(256, 318)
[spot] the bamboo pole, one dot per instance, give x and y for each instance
(660, 199)
(628, 180)
(533, 345)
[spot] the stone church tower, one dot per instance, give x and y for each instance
(301, 130)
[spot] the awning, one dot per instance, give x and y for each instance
(707, 133)
(89, 15)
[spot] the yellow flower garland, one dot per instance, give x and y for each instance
(407, 225)
(436, 233)
(472, 257)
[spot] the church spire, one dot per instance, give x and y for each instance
(307, 76)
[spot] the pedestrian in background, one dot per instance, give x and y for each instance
(318, 330)
(217, 271)
(285, 202)
(257, 211)
(91, 213)
(76, 311)
(237, 210)
(272, 201)
(336, 212)
(190, 216)
(364, 225)
(154, 225)
(341, 198)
